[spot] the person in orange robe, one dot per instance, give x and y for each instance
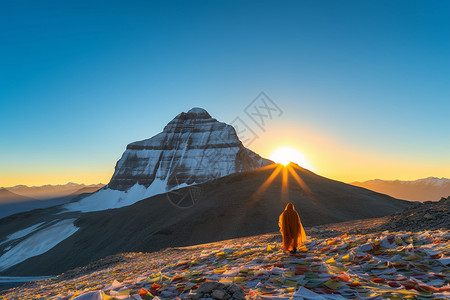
(291, 229)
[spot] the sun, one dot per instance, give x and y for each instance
(285, 155)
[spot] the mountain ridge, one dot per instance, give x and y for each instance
(40, 197)
(423, 189)
(48, 191)
(68, 184)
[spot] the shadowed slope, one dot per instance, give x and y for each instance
(7, 197)
(229, 207)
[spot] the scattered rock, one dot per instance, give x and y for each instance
(216, 290)
(239, 295)
(208, 286)
(234, 288)
(428, 216)
(192, 296)
(220, 294)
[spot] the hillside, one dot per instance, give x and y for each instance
(234, 206)
(372, 264)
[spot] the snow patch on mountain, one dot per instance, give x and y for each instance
(21, 233)
(436, 181)
(432, 181)
(38, 243)
(109, 199)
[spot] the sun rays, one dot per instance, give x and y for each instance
(284, 185)
(297, 178)
(291, 177)
(286, 171)
(289, 162)
(260, 191)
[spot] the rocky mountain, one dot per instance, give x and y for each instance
(193, 148)
(426, 189)
(237, 205)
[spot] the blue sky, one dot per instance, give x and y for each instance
(368, 80)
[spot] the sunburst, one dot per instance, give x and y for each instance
(285, 155)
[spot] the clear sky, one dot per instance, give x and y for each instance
(364, 86)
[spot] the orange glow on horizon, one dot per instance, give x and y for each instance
(329, 156)
(52, 179)
(339, 160)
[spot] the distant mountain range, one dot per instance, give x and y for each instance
(22, 198)
(426, 189)
(192, 183)
(51, 191)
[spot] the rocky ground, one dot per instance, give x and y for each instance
(430, 215)
(403, 256)
(422, 216)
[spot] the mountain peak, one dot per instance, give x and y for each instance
(198, 111)
(194, 113)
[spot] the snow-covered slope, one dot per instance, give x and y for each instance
(193, 148)
(35, 243)
(430, 188)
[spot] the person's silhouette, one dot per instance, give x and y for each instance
(291, 229)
